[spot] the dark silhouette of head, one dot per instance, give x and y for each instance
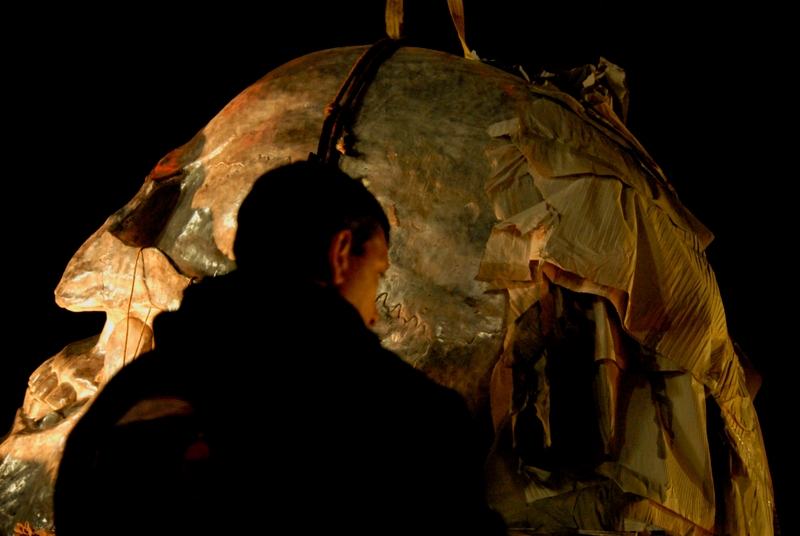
(289, 220)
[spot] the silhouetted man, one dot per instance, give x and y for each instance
(269, 405)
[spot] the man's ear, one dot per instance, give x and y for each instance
(339, 255)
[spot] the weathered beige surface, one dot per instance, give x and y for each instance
(605, 226)
(500, 193)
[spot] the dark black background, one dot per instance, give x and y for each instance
(95, 97)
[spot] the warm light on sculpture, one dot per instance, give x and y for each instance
(522, 217)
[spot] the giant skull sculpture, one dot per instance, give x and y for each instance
(524, 222)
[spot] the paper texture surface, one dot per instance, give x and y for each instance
(589, 212)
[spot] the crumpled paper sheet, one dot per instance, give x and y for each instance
(588, 211)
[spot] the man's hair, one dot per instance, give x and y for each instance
(287, 222)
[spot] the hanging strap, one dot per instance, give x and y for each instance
(457, 12)
(394, 21)
(339, 113)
